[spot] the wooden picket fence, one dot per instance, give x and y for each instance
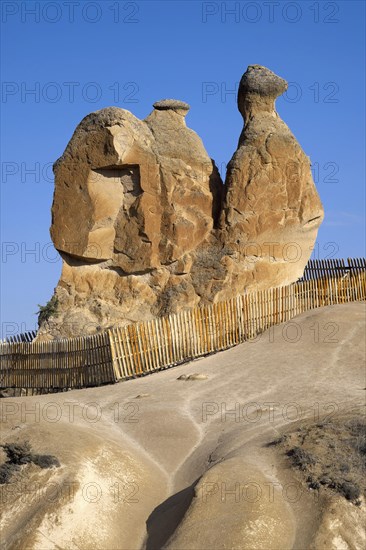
(148, 346)
(23, 337)
(318, 269)
(65, 363)
(141, 348)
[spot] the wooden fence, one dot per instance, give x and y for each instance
(61, 364)
(140, 348)
(150, 345)
(318, 269)
(23, 337)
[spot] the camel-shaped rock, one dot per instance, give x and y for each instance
(145, 226)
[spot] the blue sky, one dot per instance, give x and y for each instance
(62, 60)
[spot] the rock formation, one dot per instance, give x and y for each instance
(271, 212)
(145, 226)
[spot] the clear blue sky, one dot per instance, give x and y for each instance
(78, 57)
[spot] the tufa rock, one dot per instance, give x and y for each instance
(194, 376)
(271, 211)
(145, 226)
(173, 104)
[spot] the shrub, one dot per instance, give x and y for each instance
(19, 454)
(47, 311)
(6, 472)
(349, 490)
(300, 458)
(45, 461)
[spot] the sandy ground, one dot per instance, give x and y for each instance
(184, 464)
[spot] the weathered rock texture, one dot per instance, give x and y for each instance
(145, 226)
(271, 211)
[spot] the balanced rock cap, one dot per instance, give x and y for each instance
(173, 104)
(262, 81)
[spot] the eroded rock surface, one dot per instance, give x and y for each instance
(141, 221)
(193, 462)
(225, 502)
(272, 212)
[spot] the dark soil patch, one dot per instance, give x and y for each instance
(331, 454)
(19, 454)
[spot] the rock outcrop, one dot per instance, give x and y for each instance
(146, 227)
(235, 517)
(272, 211)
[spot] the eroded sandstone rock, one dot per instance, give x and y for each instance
(224, 502)
(190, 183)
(142, 225)
(271, 212)
(107, 193)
